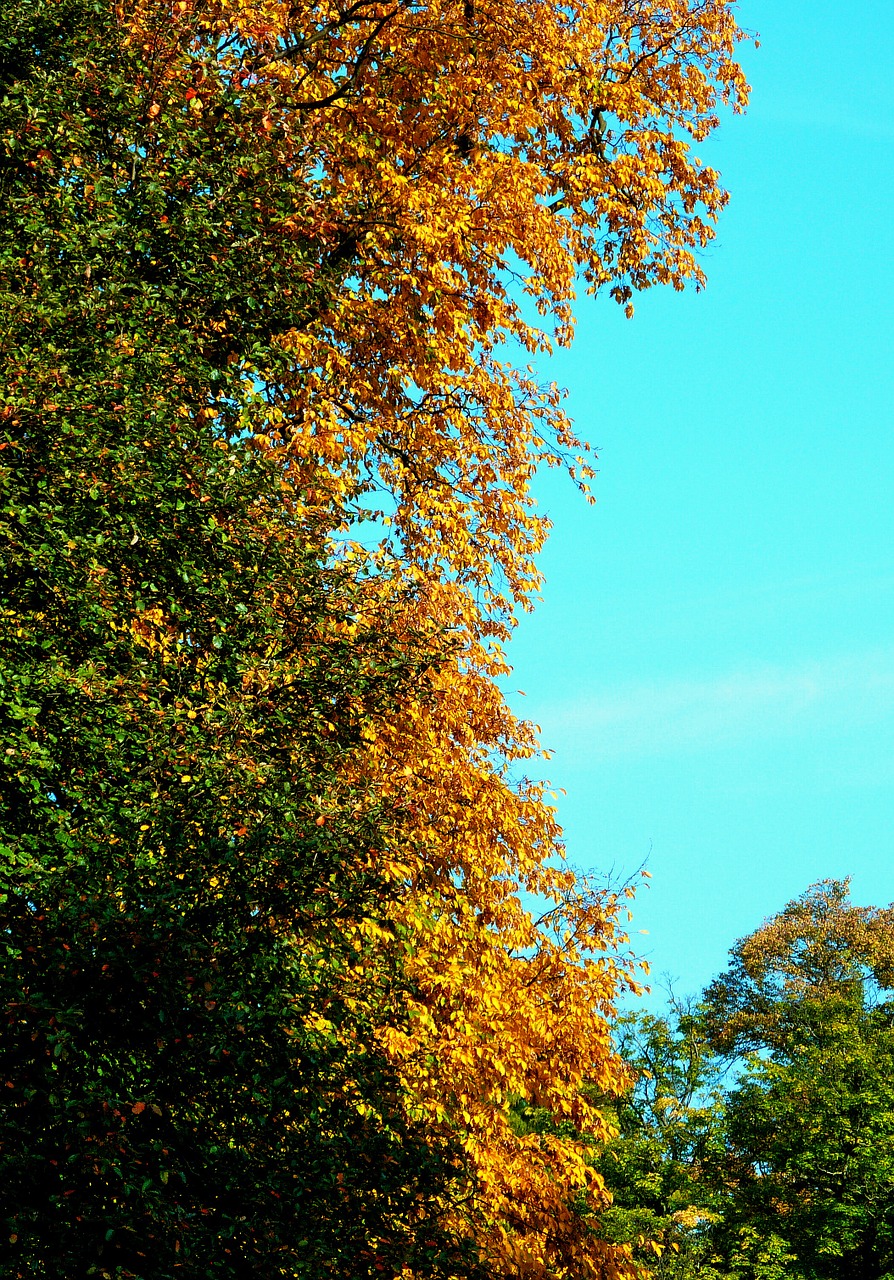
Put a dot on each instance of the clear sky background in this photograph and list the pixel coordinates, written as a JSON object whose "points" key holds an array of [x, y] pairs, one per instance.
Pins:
{"points": [[713, 660]]}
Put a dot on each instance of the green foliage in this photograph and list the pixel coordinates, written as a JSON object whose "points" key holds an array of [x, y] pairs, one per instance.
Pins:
{"points": [[191, 1071], [810, 1124], [759, 1137], [669, 1133]]}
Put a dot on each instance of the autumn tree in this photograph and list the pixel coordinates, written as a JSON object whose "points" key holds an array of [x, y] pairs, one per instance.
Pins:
{"points": [[758, 1136], [315, 233], [479, 161], [809, 1158]]}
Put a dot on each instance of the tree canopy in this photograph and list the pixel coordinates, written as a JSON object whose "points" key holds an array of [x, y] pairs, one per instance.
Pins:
{"points": [[810, 1124], [757, 1143], [275, 990]]}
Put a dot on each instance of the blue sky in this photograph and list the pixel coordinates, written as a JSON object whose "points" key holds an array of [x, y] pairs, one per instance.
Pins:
{"points": [[713, 659]]}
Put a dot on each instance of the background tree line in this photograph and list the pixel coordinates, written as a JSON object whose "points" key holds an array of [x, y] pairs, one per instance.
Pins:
{"points": [[758, 1141]]}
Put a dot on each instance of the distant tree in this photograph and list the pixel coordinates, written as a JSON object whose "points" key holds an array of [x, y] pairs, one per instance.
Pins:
{"points": [[809, 1127], [758, 1139]]}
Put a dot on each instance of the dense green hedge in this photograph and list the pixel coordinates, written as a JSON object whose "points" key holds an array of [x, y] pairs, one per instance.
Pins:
{"points": [[190, 1083]]}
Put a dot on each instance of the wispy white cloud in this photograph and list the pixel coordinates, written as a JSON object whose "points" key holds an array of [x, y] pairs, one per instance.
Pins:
{"points": [[690, 714]]}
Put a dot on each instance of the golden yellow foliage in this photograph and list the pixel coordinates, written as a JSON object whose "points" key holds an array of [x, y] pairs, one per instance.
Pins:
{"points": [[480, 160], [469, 165], [516, 964]]}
